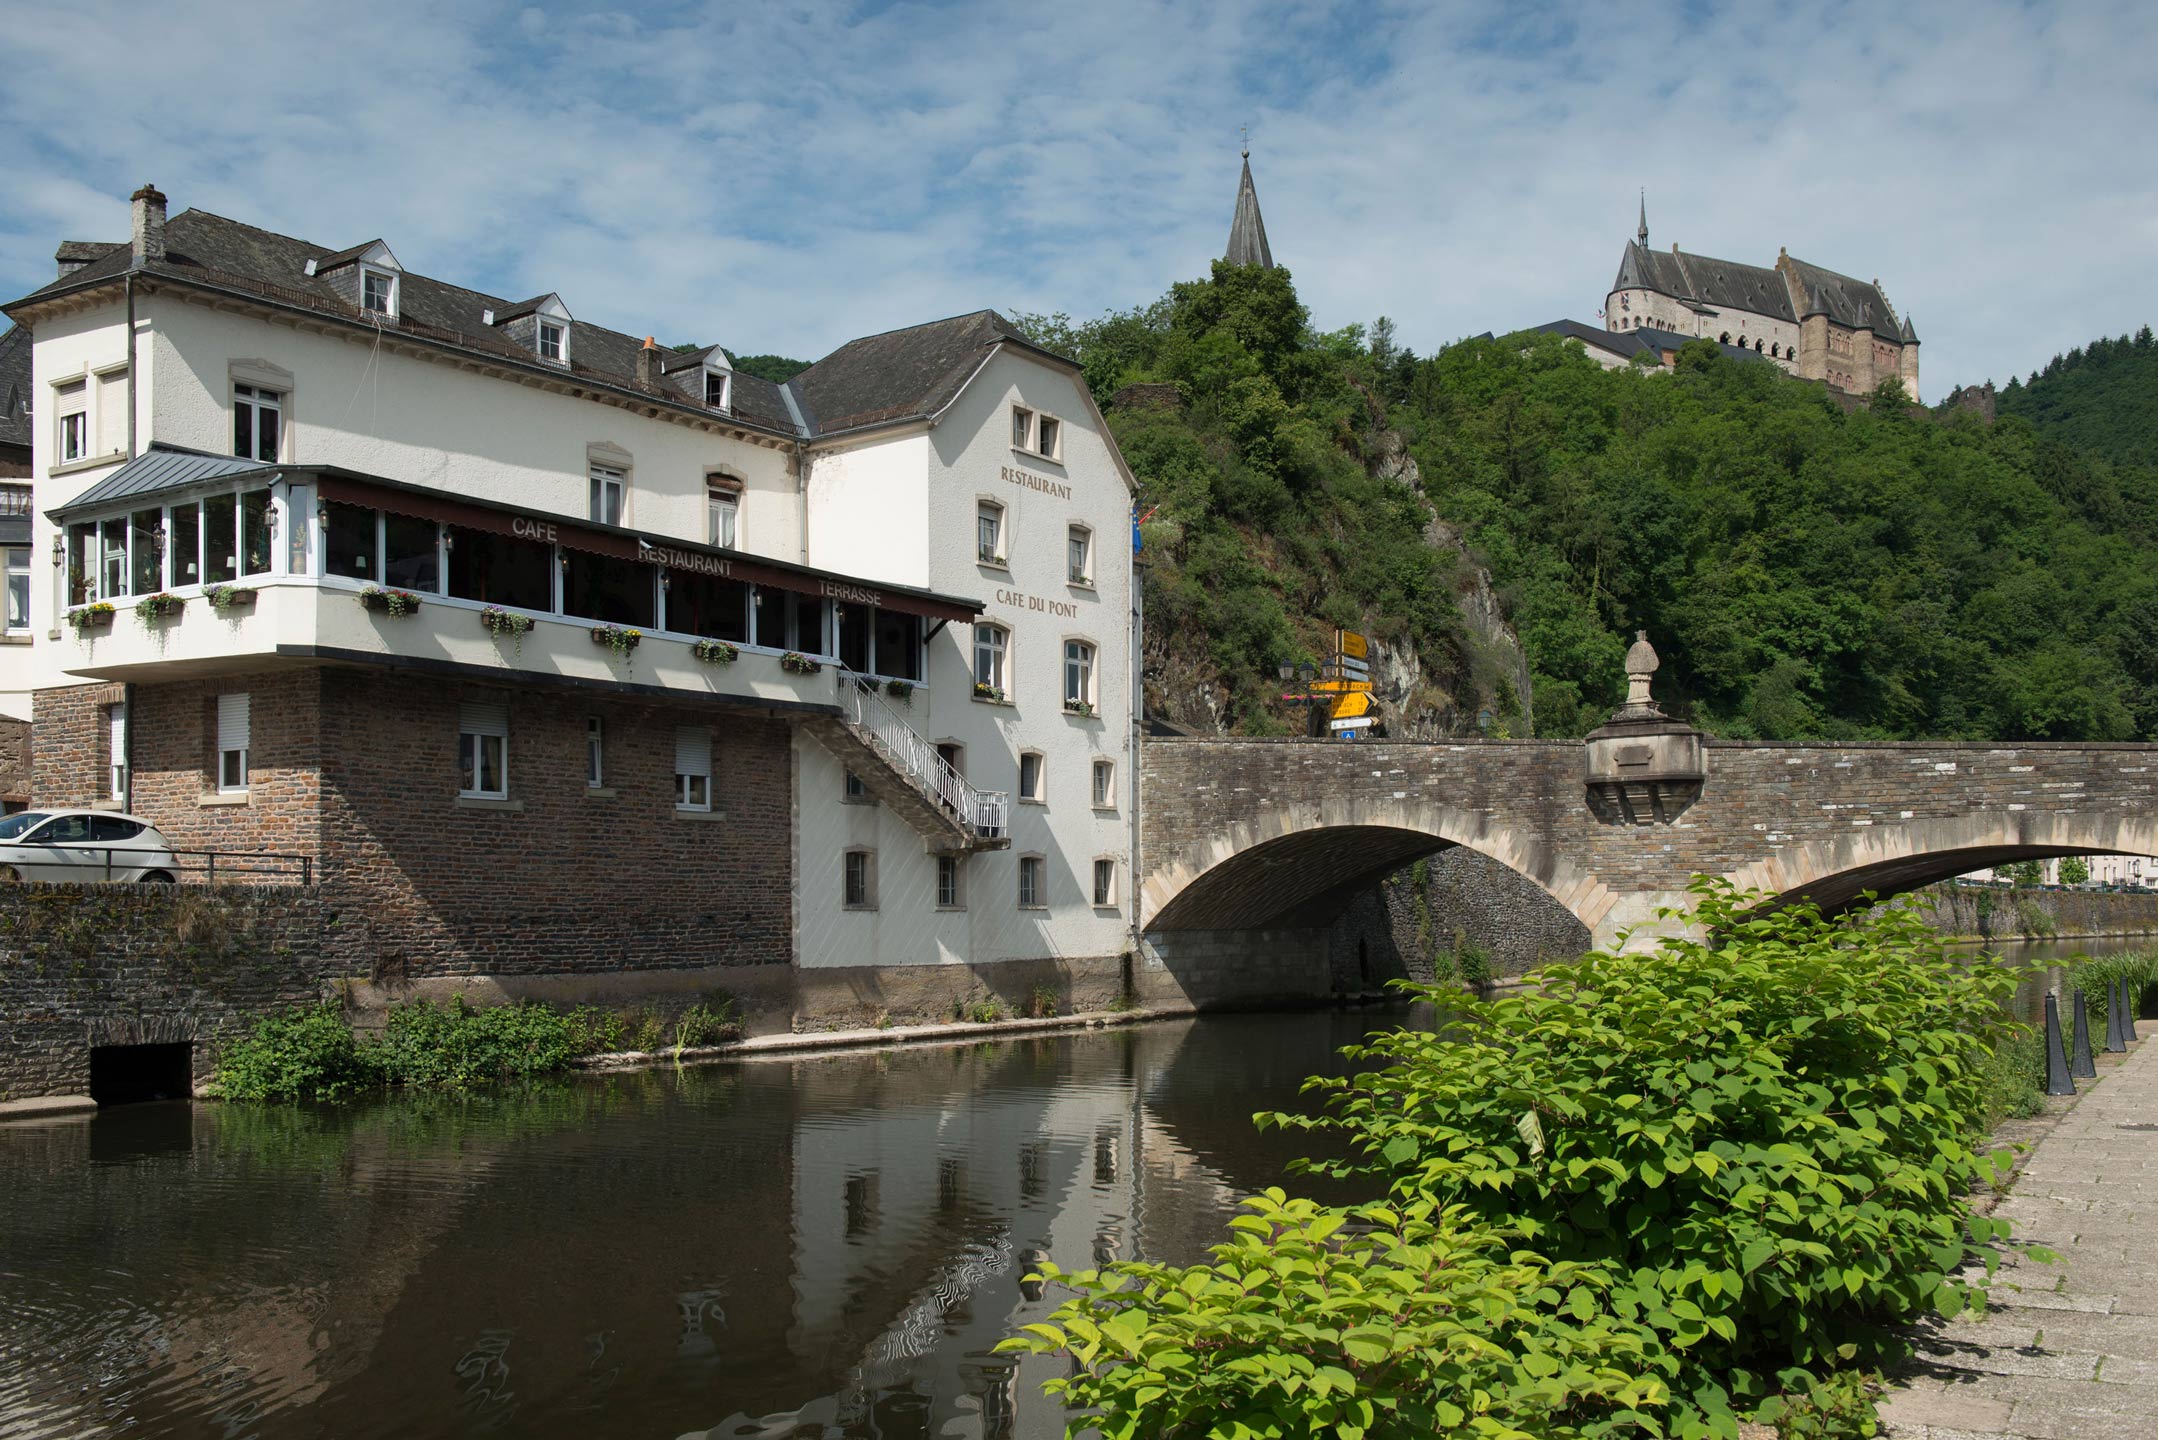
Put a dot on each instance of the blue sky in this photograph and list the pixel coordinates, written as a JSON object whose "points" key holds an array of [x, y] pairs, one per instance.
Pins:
{"points": [[783, 177]]}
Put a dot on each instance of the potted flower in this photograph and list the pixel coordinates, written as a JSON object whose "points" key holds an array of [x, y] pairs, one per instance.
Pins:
{"points": [[94, 616], [900, 690], [618, 638], [985, 691], [500, 622], [229, 597], [715, 652], [389, 602], [796, 663], [1077, 707], [152, 608]]}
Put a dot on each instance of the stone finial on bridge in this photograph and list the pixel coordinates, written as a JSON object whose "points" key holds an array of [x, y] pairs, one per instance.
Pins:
{"points": [[1644, 768]]}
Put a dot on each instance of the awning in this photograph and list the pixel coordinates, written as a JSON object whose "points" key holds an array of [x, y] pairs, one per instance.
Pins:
{"points": [[159, 471]]}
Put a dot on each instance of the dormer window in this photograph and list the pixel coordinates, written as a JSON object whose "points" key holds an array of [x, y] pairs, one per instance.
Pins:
{"points": [[378, 293], [718, 385], [553, 342]]}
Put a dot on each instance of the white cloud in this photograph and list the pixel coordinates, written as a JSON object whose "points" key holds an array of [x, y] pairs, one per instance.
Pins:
{"points": [[784, 177]]}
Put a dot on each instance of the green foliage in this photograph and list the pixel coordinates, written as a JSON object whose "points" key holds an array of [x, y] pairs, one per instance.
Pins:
{"points": [[302, 1055], [2102, 397], [776, 368], [2023, 874], [1377, 1322], [2015, 1076], [985, 1012], [2075, 870], [456, 1047], [1765, 1139], [594, 1031], [2092, 974], [1834, 1407], [707, 1023], [1043, 1003]]}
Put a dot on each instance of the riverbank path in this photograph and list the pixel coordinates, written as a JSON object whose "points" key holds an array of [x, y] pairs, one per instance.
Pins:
{"points": [[2073, 1353]]}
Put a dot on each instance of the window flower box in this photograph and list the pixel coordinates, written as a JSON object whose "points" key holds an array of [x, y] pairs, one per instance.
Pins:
{"points": [[396, 603], [230, 597], [162, 606], [794, 662], [500, 622], [1078, 707], [988, 692], [617, 638], [900, 690], [715, 652], [94, 616]]}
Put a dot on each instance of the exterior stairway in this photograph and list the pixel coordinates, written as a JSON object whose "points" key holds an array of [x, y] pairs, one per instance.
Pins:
{"points": [[903, 771]]}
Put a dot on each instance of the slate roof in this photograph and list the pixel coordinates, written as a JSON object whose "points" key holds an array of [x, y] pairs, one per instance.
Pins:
{"points": [[82, 252], [900, 375], [15, 386], [1647, 339], [1846, 301], [161, 469], [1247, 230]]}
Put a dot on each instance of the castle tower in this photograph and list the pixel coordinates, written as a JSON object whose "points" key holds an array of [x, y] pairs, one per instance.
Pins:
{"points": [[1247, 232], [1642, 233], [1907, 361]]}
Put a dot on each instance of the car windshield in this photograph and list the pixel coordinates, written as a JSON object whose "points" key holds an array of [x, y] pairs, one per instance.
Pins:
{"points": [[13, 826]]}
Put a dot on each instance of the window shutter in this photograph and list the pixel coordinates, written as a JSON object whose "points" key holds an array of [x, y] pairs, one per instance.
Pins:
{"points": [[119, 734], [111, 413], [693, 750], [484, 720], [231, 722]]}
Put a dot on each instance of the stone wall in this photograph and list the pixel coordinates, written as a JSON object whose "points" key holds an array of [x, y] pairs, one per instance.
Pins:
{"points": [[15, 762], [1466, 897], [1232, 968], [85, 965], [1990, 914]]}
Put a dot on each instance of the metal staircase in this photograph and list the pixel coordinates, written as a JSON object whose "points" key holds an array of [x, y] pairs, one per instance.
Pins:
{"points": [[904, 771]]}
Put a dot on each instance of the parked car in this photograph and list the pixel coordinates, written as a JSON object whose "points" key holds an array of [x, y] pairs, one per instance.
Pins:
{"points": [[84, 846]]}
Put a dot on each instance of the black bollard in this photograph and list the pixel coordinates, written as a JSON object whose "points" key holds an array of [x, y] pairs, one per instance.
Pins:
{"points": [[2080, 1063], [2057, 1081], [2131, 996], [2116, 1016]]}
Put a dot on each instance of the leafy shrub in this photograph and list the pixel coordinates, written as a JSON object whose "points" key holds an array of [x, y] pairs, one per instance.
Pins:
{"points": [[594, 1031], [306, 1054], [707, 1024], [2016, 1075], [456, 1047], [2092, 975], [648, 1032], [985, 1012], [1764, 1138], [1375, 1322], [1837, 1407], [1042, 1004]]}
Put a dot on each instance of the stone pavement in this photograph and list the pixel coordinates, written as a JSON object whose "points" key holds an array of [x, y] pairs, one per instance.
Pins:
{"points": [[2073, 1353]]}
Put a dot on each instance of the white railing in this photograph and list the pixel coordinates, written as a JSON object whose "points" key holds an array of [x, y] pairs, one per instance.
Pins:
{"points": [[981, 811]]}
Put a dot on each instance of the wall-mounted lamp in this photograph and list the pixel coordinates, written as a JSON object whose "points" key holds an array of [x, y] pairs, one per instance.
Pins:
{"points": [[59, 551]]}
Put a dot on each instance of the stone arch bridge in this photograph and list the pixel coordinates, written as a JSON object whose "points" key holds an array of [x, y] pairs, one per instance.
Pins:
{"points": [[1241, 837]]}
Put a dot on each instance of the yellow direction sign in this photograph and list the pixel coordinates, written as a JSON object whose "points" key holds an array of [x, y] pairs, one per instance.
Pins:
{"points": [[1340, 687], [1352, 645], [1348, 707]]}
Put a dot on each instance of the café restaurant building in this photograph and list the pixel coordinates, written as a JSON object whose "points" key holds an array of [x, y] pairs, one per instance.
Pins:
{"points": [[568, 658]]}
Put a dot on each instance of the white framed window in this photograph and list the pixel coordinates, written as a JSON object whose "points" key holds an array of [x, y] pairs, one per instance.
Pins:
{"points": [[858, 879], [234, 740], [718, 389], [1022, 428], [378, 292], [116, 757], [483, 744], [111, 429], [553, 341], [989, 533], [1104, 784], [950, 893], [1105, 880], [1033, 883], [1036, 433], [1033, 777], [1078, 675], [258, 422], [18, 589], [71, 403], [608, 488], [723, 515], [595, 752], [992, 644], [693, 768], [1079, 555]]}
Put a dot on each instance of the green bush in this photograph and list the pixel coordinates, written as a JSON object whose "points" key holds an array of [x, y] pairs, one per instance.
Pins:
{"points": [[707, 1023], [594, 1031], [2092, 974], [1372, 1323], [1766, 1139], [456, 1047], [306, 1054]]}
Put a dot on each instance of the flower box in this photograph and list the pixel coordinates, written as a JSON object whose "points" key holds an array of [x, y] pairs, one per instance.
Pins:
{"points": [[95, 616], [988, 692], [499, 621], [229, 597], [900, 690], [715, 652], [389, 602], [162, 606], [796, 663], [617, 638], [1078, 707]]}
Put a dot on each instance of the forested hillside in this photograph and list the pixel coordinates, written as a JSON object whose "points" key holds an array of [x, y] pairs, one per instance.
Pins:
{"points": [[2103, 398], [1804, 570]]}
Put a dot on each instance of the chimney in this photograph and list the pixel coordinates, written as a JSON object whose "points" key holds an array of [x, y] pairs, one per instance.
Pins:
{"points": [[149, 224], [648, 364]]}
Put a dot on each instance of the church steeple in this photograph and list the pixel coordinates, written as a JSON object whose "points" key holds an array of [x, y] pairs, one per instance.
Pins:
{"points": [[1247, 232], [1643, 231]]}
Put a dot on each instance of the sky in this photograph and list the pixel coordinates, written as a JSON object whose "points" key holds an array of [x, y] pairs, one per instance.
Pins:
{"points": [[783, 177]]}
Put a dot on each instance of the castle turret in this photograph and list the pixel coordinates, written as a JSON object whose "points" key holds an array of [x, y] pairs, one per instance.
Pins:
{"points": [[1247, 232], [1642, 233]]}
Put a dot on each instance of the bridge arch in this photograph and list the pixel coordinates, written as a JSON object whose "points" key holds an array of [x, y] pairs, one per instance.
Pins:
{"points": [[1889, 859], [1290, 866]]}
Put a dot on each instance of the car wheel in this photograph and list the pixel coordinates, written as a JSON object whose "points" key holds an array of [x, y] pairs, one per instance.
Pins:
{"points": [[156, 877], [9, 875]]}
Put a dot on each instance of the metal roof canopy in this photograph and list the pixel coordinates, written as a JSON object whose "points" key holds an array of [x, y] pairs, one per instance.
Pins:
{"points": [[161, 470]]}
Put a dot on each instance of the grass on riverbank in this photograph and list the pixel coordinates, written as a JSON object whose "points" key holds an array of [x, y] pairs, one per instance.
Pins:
{"points": [[313, 1053], [2015, 1074]]}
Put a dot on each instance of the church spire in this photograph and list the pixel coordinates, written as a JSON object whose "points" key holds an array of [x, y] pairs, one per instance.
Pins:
{"points": [[1247, 232], [1643, 231]]}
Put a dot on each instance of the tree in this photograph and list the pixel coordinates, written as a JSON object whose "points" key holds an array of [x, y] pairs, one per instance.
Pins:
{"points": [[2023, 874], [2075, 870]]}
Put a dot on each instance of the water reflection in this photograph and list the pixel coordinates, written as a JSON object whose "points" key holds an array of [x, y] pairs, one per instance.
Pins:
{"points": [[827, 1247]]}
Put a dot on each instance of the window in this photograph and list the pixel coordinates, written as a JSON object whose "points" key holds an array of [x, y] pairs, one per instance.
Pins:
{"points": [[858, 880], [500, 569], [722, 509], [1035, 433], [1079, 555], [856, 793], [18, 589], [553, 342], [73, 408], [378, 292], [989, 533], [717, 383], [1033, 882], [607, 485], [595, 753], [899, 645], [348, 540], [990, 645], [112, 538], [411, 553], [233, 740], [1105, 881], [1022, 428], [483, 740], [112, 399], [1050, 433], [693, 768], [949, 895], [603, 588], [1031, 786], [258, 418], [1078, 675], [1104, 784], [116, 757], [146, 537]]}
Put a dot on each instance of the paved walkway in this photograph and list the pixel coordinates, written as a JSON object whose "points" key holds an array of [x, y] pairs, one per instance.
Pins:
{"points": [[2073, 1354]]}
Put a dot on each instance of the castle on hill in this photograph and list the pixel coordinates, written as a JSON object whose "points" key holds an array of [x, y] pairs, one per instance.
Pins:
{"points": [[1815, 323]]}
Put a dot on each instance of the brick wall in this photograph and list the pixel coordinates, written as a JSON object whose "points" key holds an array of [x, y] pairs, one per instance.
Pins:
{"points": [[15, 762], [70, 744]]}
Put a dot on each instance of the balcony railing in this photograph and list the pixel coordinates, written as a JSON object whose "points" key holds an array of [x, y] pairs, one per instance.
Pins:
{"points": [[983, 812]]}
